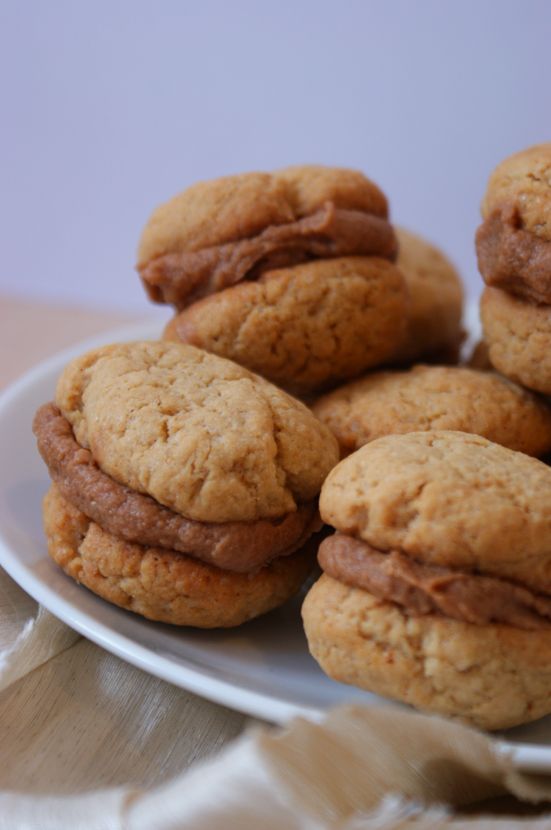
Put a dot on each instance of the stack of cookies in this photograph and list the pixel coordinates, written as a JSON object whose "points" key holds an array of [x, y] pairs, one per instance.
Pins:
{"points": [[185, 487], [472, 400], [291, 274], [436, 588], [514, 256]]}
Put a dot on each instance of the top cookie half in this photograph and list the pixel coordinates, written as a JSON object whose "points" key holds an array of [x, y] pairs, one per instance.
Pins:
{"points": [[219, 232], [199, 434], [447, 498], [514, 241]]}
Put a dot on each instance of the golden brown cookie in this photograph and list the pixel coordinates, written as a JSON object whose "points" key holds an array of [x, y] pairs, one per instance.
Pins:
{"points": [[161, 584], [436, 299], [136, 517], [447, 498], [305, 213], [437, 583], [308, 186], [514, 241], [185, 487], [304, 327], [199, 434], [518, 335], [236, 207], [493, 676], [267, 269], [436, 397], [524, 180]]}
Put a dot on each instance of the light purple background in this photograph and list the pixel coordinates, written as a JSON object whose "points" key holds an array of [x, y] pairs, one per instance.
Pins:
{"points": [[109, 108]]}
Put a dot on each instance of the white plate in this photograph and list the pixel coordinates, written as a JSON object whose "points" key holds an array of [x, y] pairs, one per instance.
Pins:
{"points": [[262, 668]]}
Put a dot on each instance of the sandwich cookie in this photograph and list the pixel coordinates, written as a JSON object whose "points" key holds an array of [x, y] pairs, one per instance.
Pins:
{"points": [[437, 583], [513, 243], [290, 274], [514, 257], [185, 487]]}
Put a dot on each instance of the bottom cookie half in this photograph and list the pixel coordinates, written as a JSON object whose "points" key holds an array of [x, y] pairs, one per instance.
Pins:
{"points": [[518, 334], [164, 585], [304, 327], [491, 676]]}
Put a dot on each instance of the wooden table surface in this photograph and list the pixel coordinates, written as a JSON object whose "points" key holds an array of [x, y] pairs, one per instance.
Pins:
{"points": [[29, 333], [32, 331]]}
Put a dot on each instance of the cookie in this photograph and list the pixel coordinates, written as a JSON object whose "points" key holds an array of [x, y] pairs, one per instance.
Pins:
{"points": [[197, 433], [436, 300], [234, 209], [447, 498], [189, 465], [267, 269], [136, 517], [524, 180], [518, 335], [436, 397], [437, 582], [514, 241], [161, 584], [304, 327], [492, 676]]}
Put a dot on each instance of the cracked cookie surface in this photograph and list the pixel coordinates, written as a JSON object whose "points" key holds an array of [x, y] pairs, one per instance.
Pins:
{"points": [[523, 181], [135, 517], [243, 205], [287, 273], [493, 676], [437, 397], [199, 434], [307, 326], [447, 498]]}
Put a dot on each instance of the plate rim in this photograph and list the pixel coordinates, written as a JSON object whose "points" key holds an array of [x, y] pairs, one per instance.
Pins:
{"points": [[528, 757]]}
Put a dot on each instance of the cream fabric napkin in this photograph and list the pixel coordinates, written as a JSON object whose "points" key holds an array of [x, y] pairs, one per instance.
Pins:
{"points": [[90, 742]]}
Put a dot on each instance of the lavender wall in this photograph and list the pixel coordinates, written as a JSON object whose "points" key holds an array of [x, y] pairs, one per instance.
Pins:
{"points": [[109, 108]]}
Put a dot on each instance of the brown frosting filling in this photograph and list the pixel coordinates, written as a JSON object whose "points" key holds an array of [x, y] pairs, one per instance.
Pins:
{"points": [[235, 546], [428, 589], [184, 277], [512, 258]]}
